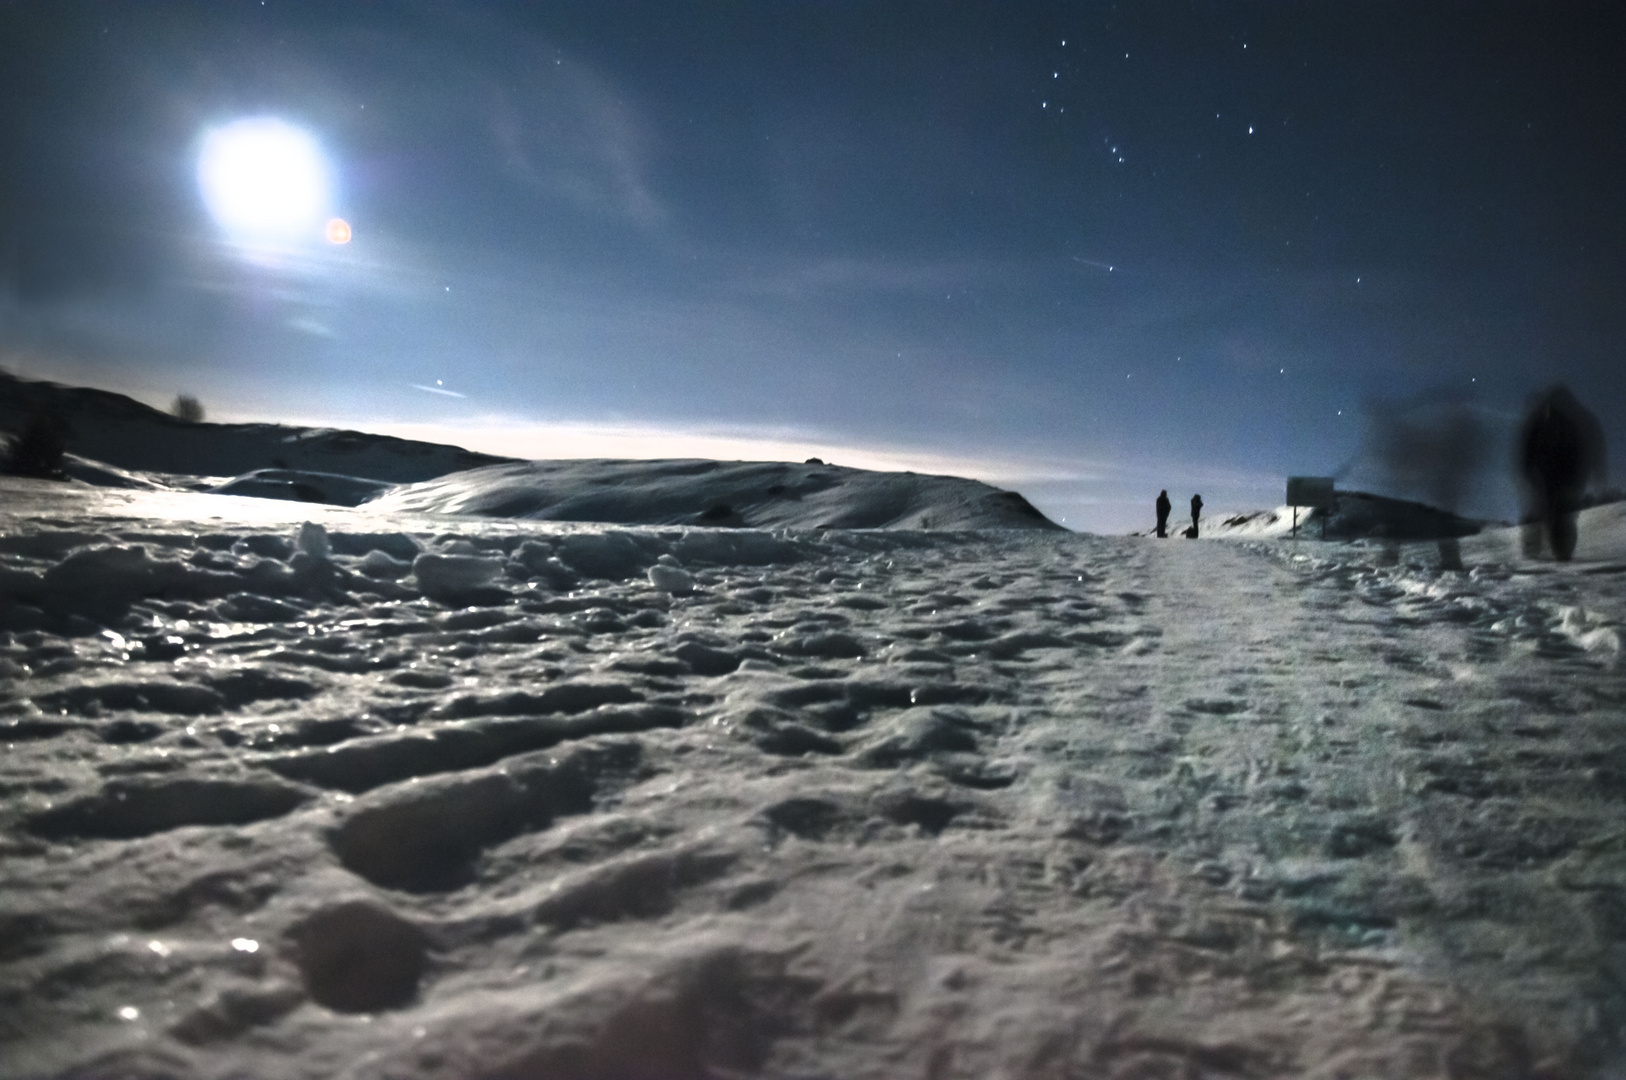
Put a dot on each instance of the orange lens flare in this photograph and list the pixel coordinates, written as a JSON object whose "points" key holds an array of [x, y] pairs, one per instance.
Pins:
{"points": [[338, 231]]}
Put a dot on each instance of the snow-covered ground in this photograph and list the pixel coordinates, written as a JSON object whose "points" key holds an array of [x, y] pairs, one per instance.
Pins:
{"points": [[411, 795]]}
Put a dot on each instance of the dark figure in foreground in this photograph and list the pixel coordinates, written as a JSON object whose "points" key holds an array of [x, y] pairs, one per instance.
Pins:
{"points": [[1163, 508], [1561, 448], [1196, 512]]}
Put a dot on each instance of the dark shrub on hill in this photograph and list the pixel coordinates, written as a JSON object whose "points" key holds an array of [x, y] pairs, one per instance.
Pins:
{"points": [[187, 408], [38, 450]]}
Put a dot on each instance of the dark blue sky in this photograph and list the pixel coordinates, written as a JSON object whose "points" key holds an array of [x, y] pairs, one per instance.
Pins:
{"points": [[880, 232]]}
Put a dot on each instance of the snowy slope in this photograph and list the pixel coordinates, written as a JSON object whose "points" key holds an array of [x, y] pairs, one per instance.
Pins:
{"points": [[117, 442], [1600, 538], [412, 795], [299, 485], [756, 494], [114, 430]]}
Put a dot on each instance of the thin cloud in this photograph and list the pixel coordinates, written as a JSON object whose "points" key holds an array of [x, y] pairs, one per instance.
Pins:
{"points": [[568, 133], [306, 325]]}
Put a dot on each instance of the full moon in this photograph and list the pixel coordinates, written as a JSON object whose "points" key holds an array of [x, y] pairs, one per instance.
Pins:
{"points": [[264, 179]]}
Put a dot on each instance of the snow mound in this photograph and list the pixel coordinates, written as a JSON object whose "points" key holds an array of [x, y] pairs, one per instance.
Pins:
{"points": [[115, 441], [303, 486], [741, 494]]}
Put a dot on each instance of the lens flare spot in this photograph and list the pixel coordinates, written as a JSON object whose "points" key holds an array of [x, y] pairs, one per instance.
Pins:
{"points": [[338, 231]]}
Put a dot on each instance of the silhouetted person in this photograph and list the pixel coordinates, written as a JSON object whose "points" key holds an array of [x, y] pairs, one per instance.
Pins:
{"points": [[1196, 512], [1561, 448], [1163, 508]]}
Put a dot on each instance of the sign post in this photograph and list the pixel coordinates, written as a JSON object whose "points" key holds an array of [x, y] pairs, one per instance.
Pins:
{"points": [[1315, 492]]}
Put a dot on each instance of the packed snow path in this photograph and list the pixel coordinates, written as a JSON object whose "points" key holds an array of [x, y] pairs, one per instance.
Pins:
{"points": [[388, 800]]}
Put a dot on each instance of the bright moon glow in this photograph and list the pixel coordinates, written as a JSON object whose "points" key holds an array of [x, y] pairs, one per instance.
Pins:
{"points": [[338, 231], [263, 179]]}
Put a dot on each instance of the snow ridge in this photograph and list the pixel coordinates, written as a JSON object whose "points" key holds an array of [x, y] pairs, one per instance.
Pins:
{"points": [[771, 494]]}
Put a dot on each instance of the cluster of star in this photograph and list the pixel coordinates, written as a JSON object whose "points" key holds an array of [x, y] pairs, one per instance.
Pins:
{"points": [[1052, 97]]}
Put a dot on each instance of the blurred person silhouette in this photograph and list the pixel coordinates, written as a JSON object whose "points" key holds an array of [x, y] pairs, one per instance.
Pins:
{"points": [[1163, 508], [1561, 448], [1196, 512]]}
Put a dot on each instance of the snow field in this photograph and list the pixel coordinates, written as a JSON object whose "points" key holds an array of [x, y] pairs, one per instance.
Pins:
{"points": [[497, 799]]}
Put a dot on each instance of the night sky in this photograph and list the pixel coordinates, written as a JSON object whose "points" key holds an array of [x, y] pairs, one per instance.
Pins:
{"points": [[1086, 250]]}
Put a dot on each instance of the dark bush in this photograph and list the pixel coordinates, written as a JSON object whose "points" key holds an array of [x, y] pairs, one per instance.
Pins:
{"points": [[38, 450], [187, 408]]}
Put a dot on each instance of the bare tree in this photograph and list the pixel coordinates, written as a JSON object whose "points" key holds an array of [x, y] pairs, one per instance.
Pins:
{"points": [[37, 451], [188, 408]]}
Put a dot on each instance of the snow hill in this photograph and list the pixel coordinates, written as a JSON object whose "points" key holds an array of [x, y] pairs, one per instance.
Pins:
{"points": [[124, 439], [303, 791], [753, 494], [118, 442]]}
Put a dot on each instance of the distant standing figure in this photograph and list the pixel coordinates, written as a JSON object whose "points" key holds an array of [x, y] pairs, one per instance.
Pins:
{"points": [[1561, 448], [1163, 508], [1196, 512]]}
